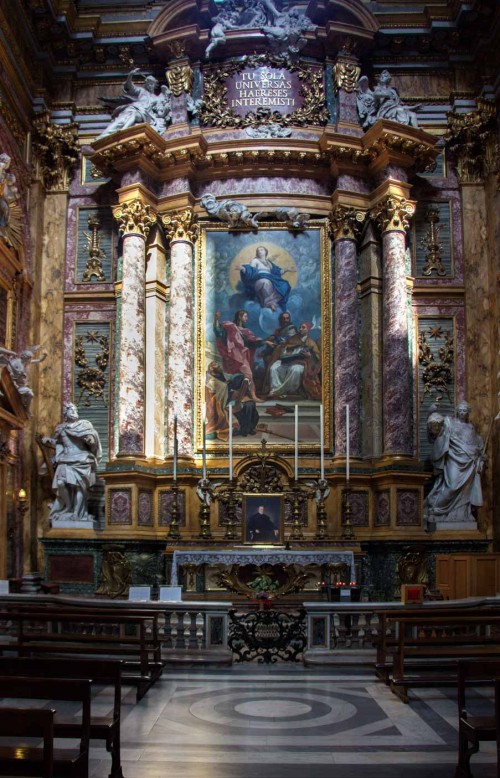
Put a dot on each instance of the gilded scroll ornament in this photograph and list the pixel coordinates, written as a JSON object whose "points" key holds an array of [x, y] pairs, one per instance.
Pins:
{"points": [[56, 152], [91, 381], [215, 111], [346, 75], [346, 222], [432, 244], [114, 576], [134, 217], [393, 213], [93, 248], [180, 79], [438, 364], [181, 225], [472, 138]]}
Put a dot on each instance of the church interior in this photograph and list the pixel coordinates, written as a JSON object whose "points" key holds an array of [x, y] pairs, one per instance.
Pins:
{"points": [[249, 373]]}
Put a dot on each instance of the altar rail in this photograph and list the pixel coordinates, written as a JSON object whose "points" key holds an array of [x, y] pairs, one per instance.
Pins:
{"points": [[202, 627]]}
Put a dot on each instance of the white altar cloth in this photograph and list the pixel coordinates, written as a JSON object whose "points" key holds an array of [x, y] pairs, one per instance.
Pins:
{"points": [[259, 556]]}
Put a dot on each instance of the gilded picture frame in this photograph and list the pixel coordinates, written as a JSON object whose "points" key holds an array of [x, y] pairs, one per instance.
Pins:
{"points": [[263, 519], [278, 353]]}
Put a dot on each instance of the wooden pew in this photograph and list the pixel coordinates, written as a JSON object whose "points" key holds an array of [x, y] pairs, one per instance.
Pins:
{"points": [[435, 644], [27, 760], [89, 632], [107, 672], [67, 762], [497, 719], [474, 728]]}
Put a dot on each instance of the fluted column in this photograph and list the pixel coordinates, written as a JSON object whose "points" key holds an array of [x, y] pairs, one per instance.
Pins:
{"points": [[392, 215], [345, 226], [182, 232], [134, 220]]}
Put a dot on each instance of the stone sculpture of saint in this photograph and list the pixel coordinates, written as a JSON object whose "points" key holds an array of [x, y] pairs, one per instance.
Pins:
{"points": [[383, 102], [458, 460], [138, 104], [78, 452]]}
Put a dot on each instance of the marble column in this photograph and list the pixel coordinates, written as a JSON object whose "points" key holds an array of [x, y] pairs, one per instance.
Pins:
{"points": [[135, 220], [392, 215], [156, 299], [345, 224], [182, 232]]}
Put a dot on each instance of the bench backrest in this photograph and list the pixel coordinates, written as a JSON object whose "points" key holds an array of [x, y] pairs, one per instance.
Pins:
{"points": [[31, 722], [472, 672]]}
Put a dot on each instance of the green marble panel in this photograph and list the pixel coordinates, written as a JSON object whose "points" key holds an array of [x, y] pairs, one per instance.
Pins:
{"points": [[92, 340], [420, 237], [107, 240]]}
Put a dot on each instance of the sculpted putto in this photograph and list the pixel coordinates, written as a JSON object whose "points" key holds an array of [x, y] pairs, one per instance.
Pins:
{"points": [[236, 214], [383, 102], [138, 104], [18, 366]]}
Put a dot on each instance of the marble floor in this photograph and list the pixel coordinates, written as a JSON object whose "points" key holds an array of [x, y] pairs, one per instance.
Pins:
{"points": [[286, 721]]}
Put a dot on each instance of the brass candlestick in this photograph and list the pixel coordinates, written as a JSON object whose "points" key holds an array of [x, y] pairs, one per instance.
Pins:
{"points": [[347, 531], [204, 492], [321, 524], [173, 531], [298, 498], [231, 502]]}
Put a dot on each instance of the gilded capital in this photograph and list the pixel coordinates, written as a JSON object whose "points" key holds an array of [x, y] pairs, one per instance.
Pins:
{"points": [[134, 217], [472, 139], [393, 213], [346, 222], [181, 225], [56, 152], [346, 76]]}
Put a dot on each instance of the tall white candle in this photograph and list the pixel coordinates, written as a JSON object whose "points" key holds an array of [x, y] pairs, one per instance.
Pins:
{"points": [[321, 443], [347, 442], [230, 442], [296, 469], [204, 423], [175, 448]]}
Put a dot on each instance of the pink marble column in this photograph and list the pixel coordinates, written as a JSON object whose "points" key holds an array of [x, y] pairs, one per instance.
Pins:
{"points": [[182, 233], [393, 216], [345, 224], [134, 219]]}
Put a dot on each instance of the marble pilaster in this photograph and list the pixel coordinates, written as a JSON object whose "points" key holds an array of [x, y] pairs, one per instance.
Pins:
{"points": [[155, 349], [346, 72], [182, 233], [345, 223], [393, 215], [135, 220]]}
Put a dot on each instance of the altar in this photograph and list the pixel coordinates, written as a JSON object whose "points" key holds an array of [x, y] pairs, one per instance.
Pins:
{"points": [[288, 571]]}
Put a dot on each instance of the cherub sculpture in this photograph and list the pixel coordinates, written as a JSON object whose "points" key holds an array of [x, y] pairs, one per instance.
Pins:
{"points": [[18, 366]]}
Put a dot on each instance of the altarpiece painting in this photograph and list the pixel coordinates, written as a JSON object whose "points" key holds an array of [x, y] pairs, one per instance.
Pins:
{"points": [[264, 335]]}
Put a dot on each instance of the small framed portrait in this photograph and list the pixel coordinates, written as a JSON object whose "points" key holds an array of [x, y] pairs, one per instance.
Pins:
{"points": [[263, 519]]}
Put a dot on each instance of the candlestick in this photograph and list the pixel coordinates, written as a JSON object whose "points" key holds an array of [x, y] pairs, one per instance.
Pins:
{"points": [[347, 441], [296, 469], [204, 423], [175, 448], [230, 442], [321, 443]]}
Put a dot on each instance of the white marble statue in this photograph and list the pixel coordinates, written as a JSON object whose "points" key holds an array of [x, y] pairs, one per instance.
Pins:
{"points": [[138, 104], [383, 102], [18, 366], [458, 459], [78, 452]]}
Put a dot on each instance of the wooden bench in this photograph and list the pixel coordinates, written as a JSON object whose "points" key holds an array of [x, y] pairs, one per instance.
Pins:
{"points": [[435, 644], [22, 723], [474, 727], [67, 762], [107, 672], [92, 632]]}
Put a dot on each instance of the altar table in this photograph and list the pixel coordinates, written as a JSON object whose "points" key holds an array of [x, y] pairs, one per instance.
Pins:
{"points": [[259, 556]]}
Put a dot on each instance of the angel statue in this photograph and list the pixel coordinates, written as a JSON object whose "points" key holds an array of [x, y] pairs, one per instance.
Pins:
{"points": [[18, 366], [138, 104], [383, 102]]}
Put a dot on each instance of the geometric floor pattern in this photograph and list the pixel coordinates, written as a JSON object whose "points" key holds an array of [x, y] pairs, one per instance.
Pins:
{"points": [[286, 721]]}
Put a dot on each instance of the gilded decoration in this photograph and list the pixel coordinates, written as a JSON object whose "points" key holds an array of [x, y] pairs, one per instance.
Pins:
{"points": [[134, 218], [11, 215], [181, 225], [393, 213], [438, 364], [432, 245], [215, 111], [346, 75], [252, 580], [96, 254], [274, 289], [346, 222], [423, 154], [472, 139], [56, 151], [91, 381], [115, 573], [180, 79]]}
